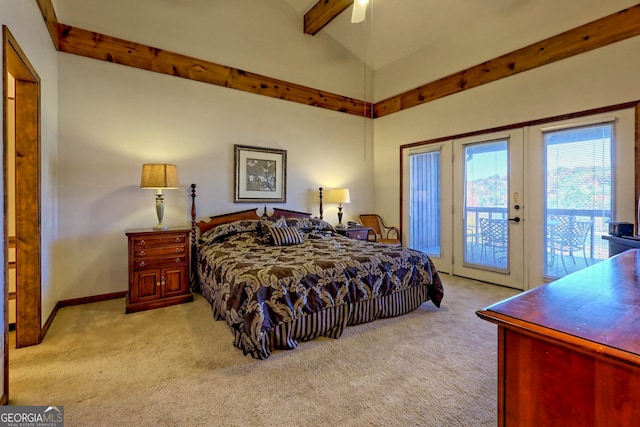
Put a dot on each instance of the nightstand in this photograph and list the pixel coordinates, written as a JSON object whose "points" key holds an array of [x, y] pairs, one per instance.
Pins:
{"points": [[158, 268], [358, 233]]}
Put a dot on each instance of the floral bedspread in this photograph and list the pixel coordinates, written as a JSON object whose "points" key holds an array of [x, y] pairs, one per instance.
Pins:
{"points": [[255, 285]]}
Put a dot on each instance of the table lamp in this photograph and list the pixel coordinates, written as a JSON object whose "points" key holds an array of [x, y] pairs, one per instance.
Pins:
{"points": [[339, 196], [159, 176]]}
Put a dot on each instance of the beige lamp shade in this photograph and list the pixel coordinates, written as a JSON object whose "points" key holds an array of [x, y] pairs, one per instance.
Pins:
{"points": [[159, 175], [340, 195]]}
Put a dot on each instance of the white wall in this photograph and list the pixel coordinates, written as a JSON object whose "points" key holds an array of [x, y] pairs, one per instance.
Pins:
{"points": [[24, 20], [115, 118], [599, 78]]}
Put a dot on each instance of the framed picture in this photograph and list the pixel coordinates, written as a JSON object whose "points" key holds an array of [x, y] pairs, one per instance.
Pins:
{"points": [[261, 174]]}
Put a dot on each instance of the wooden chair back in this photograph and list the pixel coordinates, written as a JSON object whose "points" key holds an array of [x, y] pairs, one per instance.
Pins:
{"points": [[384, 233]]}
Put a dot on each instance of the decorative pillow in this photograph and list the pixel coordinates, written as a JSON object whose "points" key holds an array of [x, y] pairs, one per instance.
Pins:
{"points": [[285, 236], [221, 231], [264, 225]]}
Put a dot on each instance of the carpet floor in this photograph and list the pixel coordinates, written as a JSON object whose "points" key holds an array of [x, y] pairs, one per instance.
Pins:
{"points": [[176, 366]]}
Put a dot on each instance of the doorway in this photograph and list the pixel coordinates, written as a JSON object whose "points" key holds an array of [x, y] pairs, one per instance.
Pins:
{"points": [[488, 220], [27, 197]]}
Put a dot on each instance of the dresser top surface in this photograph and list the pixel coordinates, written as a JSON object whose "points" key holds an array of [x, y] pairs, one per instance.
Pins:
{"points": [[139, 231], [600, 303]]}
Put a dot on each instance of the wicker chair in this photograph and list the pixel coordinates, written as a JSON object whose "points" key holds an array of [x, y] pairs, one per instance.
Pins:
{"points": [[383, 233]]}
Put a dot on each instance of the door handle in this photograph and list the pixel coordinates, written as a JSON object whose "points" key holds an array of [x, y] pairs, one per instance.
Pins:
{"points": [[516, 219]]}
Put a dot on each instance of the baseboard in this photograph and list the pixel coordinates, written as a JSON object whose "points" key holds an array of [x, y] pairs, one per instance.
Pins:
{"points": [[95, 298], [49, 321], [77, 301]]}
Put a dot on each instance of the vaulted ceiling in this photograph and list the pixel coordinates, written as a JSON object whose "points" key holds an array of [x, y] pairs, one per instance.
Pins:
{"points": [[455, 44], [462, 33]]}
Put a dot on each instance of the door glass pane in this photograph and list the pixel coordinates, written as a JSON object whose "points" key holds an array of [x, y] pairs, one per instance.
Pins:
{"points": [[424, 202], [485, 206], [578, 197]]}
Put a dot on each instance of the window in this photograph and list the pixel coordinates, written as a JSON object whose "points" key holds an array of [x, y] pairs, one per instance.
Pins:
{"points": [[578, 196], [424, 202]]}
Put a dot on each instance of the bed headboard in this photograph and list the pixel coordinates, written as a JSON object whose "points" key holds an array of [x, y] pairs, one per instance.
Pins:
{"points": [[279, 213], [225, 218], [213, 221]]}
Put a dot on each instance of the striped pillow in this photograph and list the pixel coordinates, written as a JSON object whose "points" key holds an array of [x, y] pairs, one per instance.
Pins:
{"points": [[285, 236]]}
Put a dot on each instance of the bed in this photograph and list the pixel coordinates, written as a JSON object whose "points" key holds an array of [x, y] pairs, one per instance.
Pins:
{"points": [[284, 278]]}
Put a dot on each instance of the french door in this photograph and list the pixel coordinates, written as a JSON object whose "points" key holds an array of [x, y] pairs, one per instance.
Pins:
{"points": [[488, 213], [525, 206]]}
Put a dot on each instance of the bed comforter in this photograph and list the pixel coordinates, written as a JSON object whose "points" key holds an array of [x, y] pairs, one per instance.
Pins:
{"points": [[272, 297]]}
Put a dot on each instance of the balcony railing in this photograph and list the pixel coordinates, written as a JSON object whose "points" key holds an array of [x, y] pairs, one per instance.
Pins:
{"points": [[428, 239]]}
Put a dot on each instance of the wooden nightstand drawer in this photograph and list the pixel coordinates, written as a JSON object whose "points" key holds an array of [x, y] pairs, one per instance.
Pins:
{"points": [[358, 233], [158, 269], [147, 241], [159, 262], [165, 252]]}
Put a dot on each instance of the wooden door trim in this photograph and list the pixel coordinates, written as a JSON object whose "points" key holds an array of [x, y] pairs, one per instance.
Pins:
{"points": [[28, 242]]}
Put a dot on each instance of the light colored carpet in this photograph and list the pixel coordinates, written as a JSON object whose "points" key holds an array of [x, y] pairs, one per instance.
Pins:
{"points": [[176, 366]]}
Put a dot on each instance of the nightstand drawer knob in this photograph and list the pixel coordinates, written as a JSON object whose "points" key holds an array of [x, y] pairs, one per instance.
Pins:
{"points": [[142, 242], [177, 240], [142, 264], [142, 253], [177, 250], [177, 259]]}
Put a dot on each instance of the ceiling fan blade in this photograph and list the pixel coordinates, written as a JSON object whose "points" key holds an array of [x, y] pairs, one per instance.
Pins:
{"points": [[359, 11]]}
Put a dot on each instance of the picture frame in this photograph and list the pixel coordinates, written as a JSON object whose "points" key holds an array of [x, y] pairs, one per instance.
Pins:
{"points": [[260, 174]]}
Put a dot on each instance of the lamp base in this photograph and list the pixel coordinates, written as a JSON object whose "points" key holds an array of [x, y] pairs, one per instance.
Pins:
{"points": [[160, 211]]}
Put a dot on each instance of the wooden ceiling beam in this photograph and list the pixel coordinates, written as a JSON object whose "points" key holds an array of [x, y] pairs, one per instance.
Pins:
{"points": [[106, 48], [50, 19], [602, 32], [322, 13]]}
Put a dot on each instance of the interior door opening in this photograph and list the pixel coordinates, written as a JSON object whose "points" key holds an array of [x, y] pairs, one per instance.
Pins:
{"points": [[27, 201]]}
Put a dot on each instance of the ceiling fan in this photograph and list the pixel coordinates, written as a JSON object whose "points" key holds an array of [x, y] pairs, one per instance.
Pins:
{"points": [[359, 11]]}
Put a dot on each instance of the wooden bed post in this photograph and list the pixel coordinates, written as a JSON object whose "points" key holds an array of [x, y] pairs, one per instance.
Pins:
{"points": [[193, 276], [320, 189]]}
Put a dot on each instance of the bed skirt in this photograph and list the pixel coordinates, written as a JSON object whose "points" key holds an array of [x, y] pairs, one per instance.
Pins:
{"points": [[329, 322]]}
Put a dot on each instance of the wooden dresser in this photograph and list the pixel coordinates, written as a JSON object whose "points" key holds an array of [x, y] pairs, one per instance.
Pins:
{"points": [[158, 268], [569, 351]]}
